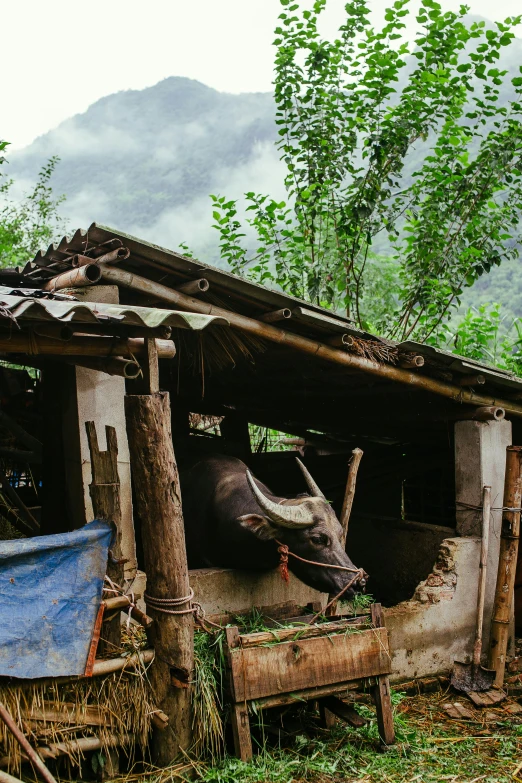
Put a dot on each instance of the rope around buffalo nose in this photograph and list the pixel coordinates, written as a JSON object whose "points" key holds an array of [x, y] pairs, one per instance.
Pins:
{"points": [[359, 575]]}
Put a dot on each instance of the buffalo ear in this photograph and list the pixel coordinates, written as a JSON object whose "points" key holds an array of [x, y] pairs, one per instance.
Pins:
{"points": [[258, 525]]}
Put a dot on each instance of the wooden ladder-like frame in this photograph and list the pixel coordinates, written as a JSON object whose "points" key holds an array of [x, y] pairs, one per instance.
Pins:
{"points": [[308, 664]]}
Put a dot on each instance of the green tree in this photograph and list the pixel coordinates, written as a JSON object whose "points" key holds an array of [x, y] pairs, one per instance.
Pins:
{"points": [[32, 222], [447, 213]]}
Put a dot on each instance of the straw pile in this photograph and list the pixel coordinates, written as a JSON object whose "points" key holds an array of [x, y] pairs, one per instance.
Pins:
{"points": [[118, 705]]}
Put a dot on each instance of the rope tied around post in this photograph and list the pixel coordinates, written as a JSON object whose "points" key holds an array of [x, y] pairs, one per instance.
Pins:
{"points": [[283, 562]]}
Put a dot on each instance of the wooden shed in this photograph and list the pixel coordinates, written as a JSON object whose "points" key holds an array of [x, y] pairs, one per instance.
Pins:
{"points": [[273, 376]]}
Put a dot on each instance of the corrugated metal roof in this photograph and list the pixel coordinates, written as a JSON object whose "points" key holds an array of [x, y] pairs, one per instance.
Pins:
{"points": [[239, 295], [55, 259], [30, 308]]}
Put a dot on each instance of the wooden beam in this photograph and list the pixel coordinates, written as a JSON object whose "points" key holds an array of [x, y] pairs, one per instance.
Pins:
{"points": [[381, 691], [507, 563], [158, 504], [306, 345], [148, 380], [81, 345]]}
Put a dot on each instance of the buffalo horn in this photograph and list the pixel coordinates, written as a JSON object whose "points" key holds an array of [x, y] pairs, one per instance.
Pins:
{"points": [[312, 486], [282, 516]]}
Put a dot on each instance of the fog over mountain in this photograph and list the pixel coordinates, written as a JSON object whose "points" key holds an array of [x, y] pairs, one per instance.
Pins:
{"points": [[145, 161]]}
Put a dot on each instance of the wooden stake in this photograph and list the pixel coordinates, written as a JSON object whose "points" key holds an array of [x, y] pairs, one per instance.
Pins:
{"points": [[346, 511], [507, 563], [158, 506], [350, 491], [81, 345], [105, 495]]}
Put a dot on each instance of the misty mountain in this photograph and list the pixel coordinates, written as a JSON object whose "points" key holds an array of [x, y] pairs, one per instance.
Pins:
{"points": [[146, 161]]}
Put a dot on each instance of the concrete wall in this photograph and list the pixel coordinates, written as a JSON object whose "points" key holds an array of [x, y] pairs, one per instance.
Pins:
{"points": [[437, 626], [396, 554], [226, 591], [98, 397]]}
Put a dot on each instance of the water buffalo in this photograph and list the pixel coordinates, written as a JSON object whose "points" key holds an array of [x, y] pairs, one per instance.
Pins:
{"points": [[232, 519]]}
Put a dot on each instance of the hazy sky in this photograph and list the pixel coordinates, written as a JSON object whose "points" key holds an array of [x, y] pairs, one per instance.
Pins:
{"points": [[58, 56]]}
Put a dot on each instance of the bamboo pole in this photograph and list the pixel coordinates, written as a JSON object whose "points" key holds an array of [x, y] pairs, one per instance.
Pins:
{"points": [[507, 563], [157, 502], [111, 365], [6, 778], [194, 286], [111, 665], [74, 278], [346, 511], [304, 344], [81, 345]]}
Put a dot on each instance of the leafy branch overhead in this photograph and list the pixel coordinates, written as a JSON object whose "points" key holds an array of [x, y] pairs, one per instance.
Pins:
{"points": [[31, 222], [354, 114]]}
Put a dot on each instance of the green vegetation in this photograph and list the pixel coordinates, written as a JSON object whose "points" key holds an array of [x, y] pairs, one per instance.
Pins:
{"points": [[346, 130], [30, 223], [429, 749]]}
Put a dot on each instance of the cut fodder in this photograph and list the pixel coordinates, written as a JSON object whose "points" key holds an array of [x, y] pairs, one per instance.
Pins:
{"points": [[208, 702], [116, 709]]}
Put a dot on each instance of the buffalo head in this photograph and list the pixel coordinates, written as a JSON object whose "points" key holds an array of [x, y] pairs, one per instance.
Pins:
{"points": [[308, 526]]}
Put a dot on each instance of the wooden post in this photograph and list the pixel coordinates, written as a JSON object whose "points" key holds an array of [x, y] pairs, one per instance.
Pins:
{"points": [[350, 491], [158, 505], [507, 563], [381, 692], [346, 511], [105, 495]]}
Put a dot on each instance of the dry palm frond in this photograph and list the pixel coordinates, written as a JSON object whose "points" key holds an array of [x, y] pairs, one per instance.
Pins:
{"points": [[375, 350]]}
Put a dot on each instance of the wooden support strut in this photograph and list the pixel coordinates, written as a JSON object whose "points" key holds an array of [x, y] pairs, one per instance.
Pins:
{"points": [[346, 511], [381, 691], [305, 344], [81, 345], [158, 506], [507, 563], [105, 495]]}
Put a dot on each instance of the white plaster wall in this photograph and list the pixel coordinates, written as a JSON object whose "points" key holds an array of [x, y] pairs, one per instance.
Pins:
{"points": [[480, 460], [437, 626], [226, 591]]}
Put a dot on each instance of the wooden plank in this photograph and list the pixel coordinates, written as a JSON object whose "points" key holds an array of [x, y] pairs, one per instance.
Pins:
{"points": [[487, 698], [106, 504], [258, 672], [305, 695], [346, 712], [89, 715], [148, 383], [241, 732], [300, 632]]}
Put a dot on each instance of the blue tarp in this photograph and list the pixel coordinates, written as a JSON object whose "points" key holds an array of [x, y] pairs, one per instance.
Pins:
{"points": [[50, 593]]}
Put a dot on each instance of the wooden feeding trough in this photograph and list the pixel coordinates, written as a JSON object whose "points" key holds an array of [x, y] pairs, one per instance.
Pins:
{"points": [[282, 666]]}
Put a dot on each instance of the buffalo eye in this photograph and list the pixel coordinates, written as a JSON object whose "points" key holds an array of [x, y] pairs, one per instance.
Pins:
{"points": [[320, 539]]}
